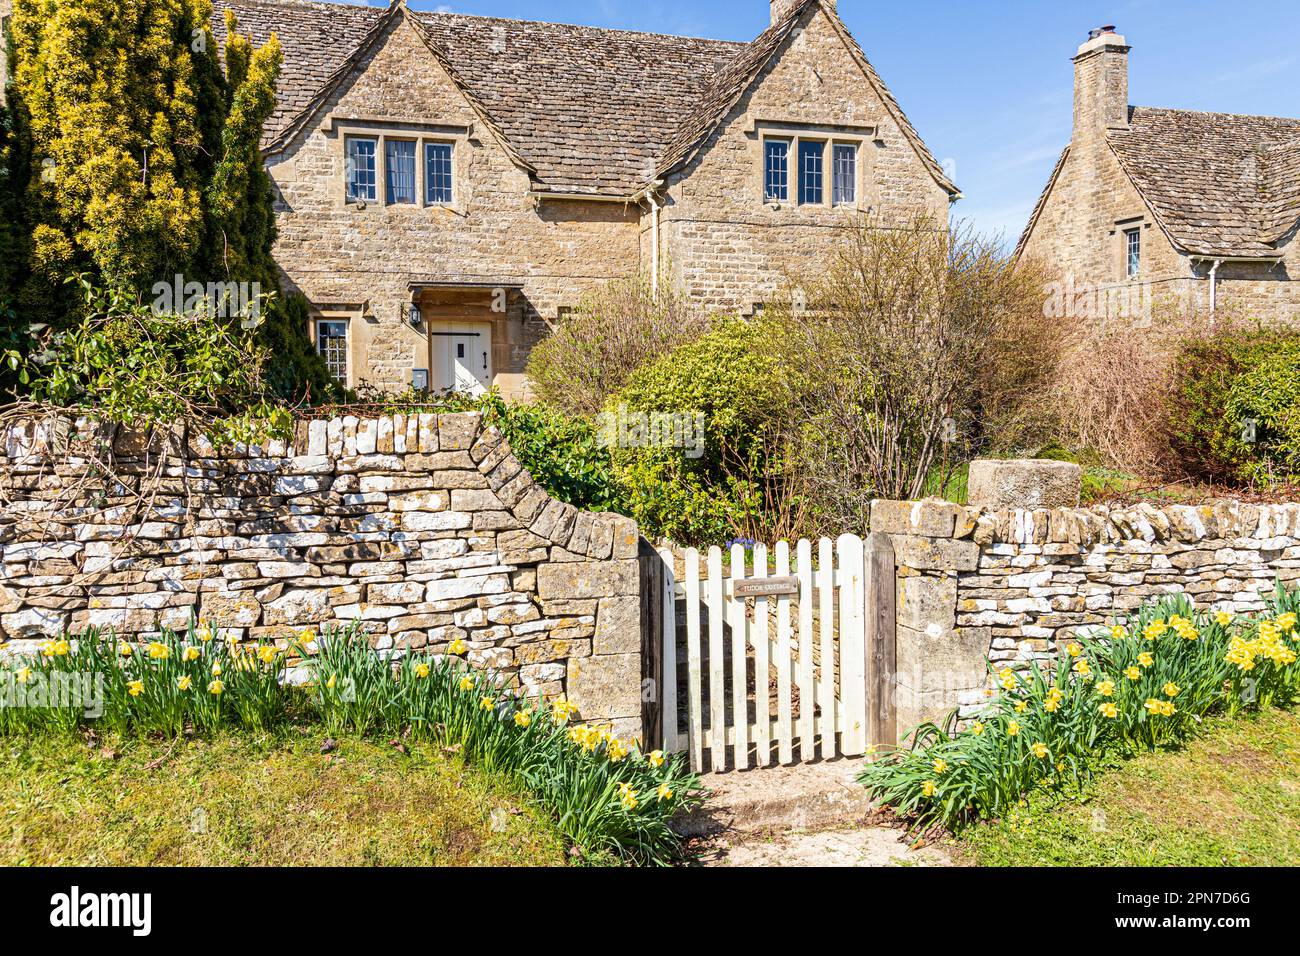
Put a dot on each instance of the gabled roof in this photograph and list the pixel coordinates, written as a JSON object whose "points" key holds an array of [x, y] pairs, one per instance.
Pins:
{"points": [[585, 110], [1042, 202], [1221, 184]]}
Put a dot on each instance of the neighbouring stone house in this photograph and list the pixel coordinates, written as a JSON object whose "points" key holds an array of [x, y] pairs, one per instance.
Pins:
{"points": [[449, 186], [1153, 204]]}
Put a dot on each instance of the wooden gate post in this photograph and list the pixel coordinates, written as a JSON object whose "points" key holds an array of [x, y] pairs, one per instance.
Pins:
{"points": [[882, 590]]}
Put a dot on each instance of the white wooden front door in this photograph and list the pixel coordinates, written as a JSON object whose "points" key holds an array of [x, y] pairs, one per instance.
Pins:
{"points": [[463, 357]]}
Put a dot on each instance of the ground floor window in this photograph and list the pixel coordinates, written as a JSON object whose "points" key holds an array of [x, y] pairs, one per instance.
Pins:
{"points": [[332, 344]]}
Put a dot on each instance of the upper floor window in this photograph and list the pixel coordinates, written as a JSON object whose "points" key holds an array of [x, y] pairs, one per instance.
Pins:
{"points": [[332, 344], [399, 160], [361, 172], [844, 185], [776, 170], [437, 173], [1132, 252], [812, 157]]}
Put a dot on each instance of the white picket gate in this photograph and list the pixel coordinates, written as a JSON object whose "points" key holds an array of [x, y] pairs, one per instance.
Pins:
{"points": [[823, 629]]}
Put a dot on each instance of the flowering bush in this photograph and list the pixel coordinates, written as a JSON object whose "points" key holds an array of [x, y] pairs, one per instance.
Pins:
{"points": [[1139, 685], [606, 795]]}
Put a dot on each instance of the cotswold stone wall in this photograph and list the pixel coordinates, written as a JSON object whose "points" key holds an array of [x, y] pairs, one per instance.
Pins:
{"points": [[425, 528], [1012, 586]]}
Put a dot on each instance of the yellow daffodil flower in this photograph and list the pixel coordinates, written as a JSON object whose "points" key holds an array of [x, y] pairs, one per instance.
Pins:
{"points": [[1108, 710], [467, 683], [655, 758], [1118, 632], [940, 766], [191, 654], [1022, 706], [184, 683], [927, 788], [1153, 707], [664, 792], [1082, 667], [125, 649], [1172, 689], [1106, 688], [457, 647], [523, 718], [135, 688], [1145, 659], [1132, 673], [1074, 650], [1013, 729], [977, 728], [215, 688], [1040, 750], [23, 675], [487, 703], [421, 670]]}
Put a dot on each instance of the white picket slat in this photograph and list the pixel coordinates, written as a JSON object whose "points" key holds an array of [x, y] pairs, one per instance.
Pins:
{"points": [[826, 683], [694, 685], [739, 661], [762, 664], [671, 708], [853, 645], [784, 701], [717, 688], [807, 703]]}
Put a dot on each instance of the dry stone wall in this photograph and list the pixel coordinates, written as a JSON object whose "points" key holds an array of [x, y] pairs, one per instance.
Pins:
{"points": [[1012, 586], [424, 528]]}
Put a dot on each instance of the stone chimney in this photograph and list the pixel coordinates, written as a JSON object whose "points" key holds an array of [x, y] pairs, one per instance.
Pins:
{"points": [[781, 7], [1100, 85]]}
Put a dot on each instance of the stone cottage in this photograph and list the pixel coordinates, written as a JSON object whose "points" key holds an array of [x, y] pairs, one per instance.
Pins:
{"points": [[449, 186], [1153, 204]]}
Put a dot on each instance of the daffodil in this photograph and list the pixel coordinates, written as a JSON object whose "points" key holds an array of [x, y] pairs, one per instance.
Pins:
{"points": [[191, 654], [125, 649], [1106, 688], [1007, 679], [927, 788], [523, 718], [457, 647], [1132, 673], [1074, 650], [215, 688], [1155, 629], [184, 683], [135, 688], [1118, 632], [664, 792], [159, 651], [1108, 709], [655, 758], [940, 766], [1022, 706], [1013, 729], [977, 728], [467, 683], [1082, 667], [23, 675], [1153, 707], [487, 703], [332, 682], [1040, 750], [1172, 689], [421, 670], [1222, 618], [1145, 659], [615, 749], [216, 669], [267, 654]]}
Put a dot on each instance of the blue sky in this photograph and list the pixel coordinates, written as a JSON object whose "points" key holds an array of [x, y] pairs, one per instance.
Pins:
{"points": [[989, 84]]}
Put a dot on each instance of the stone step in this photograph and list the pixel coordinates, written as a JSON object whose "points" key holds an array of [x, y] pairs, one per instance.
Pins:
{"points": [[800, 797]]}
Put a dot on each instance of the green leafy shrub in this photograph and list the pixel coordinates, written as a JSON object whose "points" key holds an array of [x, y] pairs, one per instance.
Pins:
{"points": [[731, 379], [1143, 684], [1234, 411], [129, 365], [614, 331], [563, 453]]}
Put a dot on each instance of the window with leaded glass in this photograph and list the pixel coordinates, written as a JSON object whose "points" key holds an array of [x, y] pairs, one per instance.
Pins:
{"points": [[776, 170], [332, 344], [400, 162], [844, 185], [361, 173], [437, 173], [812, 156]]}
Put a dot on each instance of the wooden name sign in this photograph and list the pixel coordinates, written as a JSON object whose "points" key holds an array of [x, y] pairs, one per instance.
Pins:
{"points": [[766, 587]]}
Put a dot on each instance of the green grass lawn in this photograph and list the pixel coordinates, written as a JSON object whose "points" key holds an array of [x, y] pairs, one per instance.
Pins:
{"points": [[1229, 798], [240, 800]]}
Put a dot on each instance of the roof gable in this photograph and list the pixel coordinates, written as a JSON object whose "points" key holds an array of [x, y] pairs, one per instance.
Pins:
{"points": [[585, 110]]}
